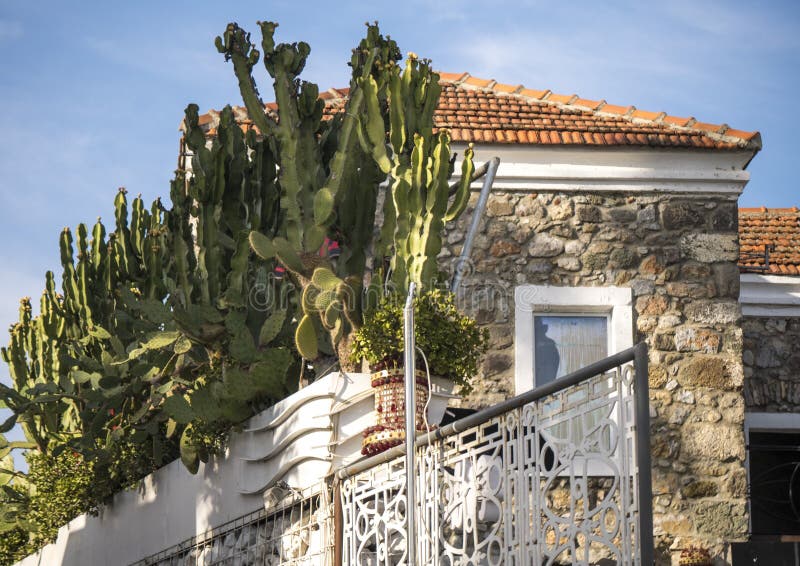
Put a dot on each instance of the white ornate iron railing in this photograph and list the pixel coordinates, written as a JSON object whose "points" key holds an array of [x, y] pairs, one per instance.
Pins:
{"points": [[294, 529], [558, 475]]}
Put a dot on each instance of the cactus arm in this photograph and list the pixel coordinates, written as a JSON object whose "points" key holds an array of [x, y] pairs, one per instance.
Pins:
{"points": [[298, 158], [374, 126], [436, 206], [461, 198], [235, 45]]}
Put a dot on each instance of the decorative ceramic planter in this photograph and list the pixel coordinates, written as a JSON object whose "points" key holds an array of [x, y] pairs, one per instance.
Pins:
{"points": [[389, 429]]}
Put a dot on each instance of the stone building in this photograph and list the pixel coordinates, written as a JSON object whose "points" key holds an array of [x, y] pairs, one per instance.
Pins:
{"points": [[624, 221], [770, 299], [620, 226]]}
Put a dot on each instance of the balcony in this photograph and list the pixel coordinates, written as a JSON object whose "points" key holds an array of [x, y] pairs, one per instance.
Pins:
{"points": [[558, 475]]}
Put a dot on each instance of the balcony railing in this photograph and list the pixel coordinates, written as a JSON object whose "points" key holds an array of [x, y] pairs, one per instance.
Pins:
{"points": [[295, 528], [558, 475]]}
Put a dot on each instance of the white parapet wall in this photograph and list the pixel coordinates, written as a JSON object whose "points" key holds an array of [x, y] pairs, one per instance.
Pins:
{"points": [[300, 441]]}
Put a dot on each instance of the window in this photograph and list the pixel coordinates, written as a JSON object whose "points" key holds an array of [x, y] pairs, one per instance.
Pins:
{"points": [[773, 462], [559, 330], [562, 329]]}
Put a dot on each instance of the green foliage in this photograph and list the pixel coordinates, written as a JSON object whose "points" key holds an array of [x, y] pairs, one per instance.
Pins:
{"points": [[452, 342], [57, 489], [13, 546], [148, 345], [66, 486]]}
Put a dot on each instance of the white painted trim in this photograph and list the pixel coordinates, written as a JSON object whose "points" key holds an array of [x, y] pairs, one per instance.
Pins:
{"points": [[537, 168], [769, 295], [537, 299], [765, 422]]}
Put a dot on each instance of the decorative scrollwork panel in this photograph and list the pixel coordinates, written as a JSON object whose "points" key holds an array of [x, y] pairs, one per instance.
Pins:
{"points": [[550, 482]]}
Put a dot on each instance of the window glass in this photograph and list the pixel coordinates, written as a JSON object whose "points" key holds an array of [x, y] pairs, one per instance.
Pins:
{"points": [[564, 344], [775, 483]]}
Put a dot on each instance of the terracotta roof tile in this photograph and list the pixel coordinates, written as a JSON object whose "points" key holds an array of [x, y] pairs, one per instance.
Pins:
{"points": [[615, 109], [482, 110], [776, 228], [644, 115]]}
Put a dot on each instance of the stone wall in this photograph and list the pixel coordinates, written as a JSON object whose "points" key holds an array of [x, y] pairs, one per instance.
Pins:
{"points": [[678, 254], [771, 357]]}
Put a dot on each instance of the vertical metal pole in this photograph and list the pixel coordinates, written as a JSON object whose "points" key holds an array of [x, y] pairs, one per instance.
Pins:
{"points": [[641, 392], [476, 220], [411, 426]]}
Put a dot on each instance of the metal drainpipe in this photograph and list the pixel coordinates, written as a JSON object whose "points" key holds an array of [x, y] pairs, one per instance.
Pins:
{"points": [[476, 219], [411, 425]]}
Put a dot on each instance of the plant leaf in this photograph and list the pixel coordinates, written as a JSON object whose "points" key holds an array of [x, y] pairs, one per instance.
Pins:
{"points": [[161, 340], [189, 453], [178, 409], [305, 338], [271, 327]]}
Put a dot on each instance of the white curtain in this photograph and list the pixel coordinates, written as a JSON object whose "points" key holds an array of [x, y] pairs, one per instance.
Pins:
{"points": [[565, 344]]}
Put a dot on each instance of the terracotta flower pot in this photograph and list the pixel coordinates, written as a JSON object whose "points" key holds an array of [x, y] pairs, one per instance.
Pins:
{"points": [[389, 429]]}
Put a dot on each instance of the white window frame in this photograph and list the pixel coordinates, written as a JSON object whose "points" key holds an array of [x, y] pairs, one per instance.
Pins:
{"points": [[532, 300], [616, 303]]}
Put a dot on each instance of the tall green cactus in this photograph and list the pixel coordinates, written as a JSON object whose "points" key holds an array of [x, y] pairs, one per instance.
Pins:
{"points": [[317, 160], [419, 166], [353, 150]]}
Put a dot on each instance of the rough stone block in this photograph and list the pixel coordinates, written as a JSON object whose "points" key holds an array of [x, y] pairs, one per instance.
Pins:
{"points": [[695, 271], [622, 215], [623, 258], [656, 376], [569, 263], [710, 248], [545, 245], [698, 489], [530, 206], [721, 519], [713, 312], [650, 266], [688, 339], [500, 206], [724, 218], [676, 215], [587, 213], [652, 304], [496, 362], [714, 442], [561, 209], [705, 371], [663, 341], [502, 248]]}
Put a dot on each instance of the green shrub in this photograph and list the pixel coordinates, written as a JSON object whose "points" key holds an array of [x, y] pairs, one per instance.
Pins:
{"points": [[63, 487], [452, 342]]}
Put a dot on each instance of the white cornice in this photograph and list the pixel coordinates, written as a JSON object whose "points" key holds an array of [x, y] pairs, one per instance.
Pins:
{"points": [[769, 295], [537, 168]]}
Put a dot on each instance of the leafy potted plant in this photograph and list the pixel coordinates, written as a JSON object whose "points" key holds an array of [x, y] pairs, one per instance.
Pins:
{"points": [[450, 344]]}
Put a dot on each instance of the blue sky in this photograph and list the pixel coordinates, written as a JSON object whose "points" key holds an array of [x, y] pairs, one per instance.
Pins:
{"points": [[92, 92]]}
